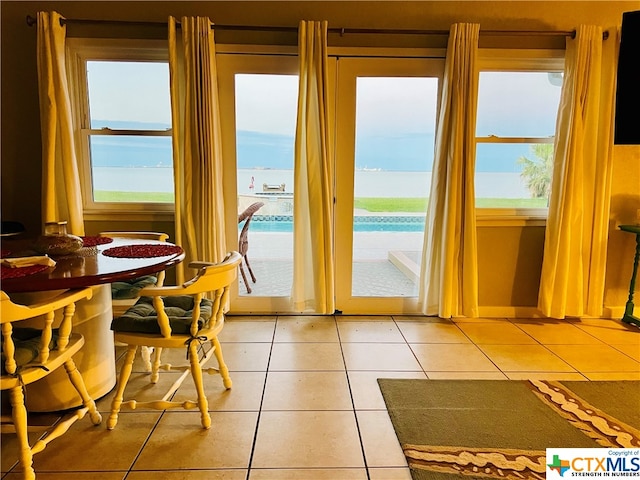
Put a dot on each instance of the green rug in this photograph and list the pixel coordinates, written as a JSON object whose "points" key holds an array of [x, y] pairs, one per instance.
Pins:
{"points": [[453, 429]]}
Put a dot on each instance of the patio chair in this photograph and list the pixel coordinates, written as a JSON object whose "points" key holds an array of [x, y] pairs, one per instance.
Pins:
{"points": [[30, 354], [172, 317], [243, 240]]}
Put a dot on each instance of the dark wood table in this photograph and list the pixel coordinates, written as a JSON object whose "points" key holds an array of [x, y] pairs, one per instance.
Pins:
{"points": [[628, 316], [89, 267]]}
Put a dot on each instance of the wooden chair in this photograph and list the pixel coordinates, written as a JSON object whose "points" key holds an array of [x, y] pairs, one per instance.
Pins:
{"points": [[243, 240], [124, 294], [172, 317], [29, 354]]}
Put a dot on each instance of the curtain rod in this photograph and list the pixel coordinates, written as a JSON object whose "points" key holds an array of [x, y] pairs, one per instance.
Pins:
{"points": [[341, 31]]}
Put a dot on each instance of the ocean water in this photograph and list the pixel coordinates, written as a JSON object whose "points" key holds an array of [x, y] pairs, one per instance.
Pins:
{"points": [[367, 183]]}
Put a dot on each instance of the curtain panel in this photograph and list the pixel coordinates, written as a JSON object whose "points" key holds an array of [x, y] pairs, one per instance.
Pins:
{"points": [[61, 193], [197, 151], [449, 271], [575, 247], [313, 250]]}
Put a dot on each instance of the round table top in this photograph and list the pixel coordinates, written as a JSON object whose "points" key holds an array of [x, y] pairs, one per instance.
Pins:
{"points": [[89, 266]]}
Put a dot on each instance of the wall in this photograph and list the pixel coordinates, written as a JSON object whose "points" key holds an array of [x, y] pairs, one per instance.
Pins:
{"points": [[509, 263]]}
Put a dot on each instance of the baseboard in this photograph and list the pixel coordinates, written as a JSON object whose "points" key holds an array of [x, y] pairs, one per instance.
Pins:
{"points": [[533, 312]]}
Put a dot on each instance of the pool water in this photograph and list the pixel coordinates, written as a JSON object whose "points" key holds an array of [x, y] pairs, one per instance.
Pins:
{"points": [[363, 223]]}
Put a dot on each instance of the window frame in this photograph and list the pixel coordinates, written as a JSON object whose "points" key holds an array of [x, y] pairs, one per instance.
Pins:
{"points": [[516, 60], [79, 52]]}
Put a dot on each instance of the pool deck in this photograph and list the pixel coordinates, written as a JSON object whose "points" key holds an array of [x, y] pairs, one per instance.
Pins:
{"points": [[385, 263]]}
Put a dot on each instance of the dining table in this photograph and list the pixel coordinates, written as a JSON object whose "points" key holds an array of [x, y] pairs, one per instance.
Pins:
{"points": [[98, 263]]}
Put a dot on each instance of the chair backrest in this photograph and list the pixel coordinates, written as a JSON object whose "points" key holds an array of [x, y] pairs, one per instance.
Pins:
{"points": [[12, 312], [247, 214], [215, 278]]}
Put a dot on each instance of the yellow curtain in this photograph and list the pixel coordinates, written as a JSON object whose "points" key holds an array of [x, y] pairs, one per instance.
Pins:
{"points": [[313, 270], [197, 152], [449, 271], [573, 267], [61, 194]]}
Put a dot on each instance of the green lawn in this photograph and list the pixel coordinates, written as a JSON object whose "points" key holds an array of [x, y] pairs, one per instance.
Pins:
{"points": [[370, 204]]}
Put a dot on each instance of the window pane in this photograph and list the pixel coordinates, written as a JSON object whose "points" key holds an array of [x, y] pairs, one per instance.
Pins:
{"points": [[395, 131], [266, 109], [513, 175], [129, 95], [518, 104], [132, 169]]}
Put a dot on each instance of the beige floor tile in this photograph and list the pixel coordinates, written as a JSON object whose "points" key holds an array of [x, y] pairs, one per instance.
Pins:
{"points": [[247, 331], [369, 332], [545, 376], [365, 390], [459, 320], [236, 474], [612, 375], [595, 358], [307, 439], [71, 476], [611, 331], [102, 450], [632, 350], [557, 333], [381, 446], [306, 329], [525, 358], [379, 357], [246, 357], [452, 357], [420, 319], [307, 391], [244, 395], [364, 318], [309, 474], [389, 473], [180, 442], [497, 375], [250, 318], [432, 332], [140, 388], [306, 356], [504, 333], [9, 449]]}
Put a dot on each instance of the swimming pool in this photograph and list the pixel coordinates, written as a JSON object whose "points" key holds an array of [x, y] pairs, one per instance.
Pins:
{"points": [[361, 223]]}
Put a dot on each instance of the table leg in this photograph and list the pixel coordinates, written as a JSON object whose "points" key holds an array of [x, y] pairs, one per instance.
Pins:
{"points": [[95, 361], [628, 316]]}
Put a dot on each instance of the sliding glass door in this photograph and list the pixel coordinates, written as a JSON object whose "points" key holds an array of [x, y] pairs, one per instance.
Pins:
{"points": [[385, 131]]}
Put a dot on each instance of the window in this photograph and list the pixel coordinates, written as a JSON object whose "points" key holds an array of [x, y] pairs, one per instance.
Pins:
{"points": [[123, 125], [518, 102]]}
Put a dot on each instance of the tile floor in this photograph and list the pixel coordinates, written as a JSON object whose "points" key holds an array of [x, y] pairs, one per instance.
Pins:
{"points": [[305, 404]]}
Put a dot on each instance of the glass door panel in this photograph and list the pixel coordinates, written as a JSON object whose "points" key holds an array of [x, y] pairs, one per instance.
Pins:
{"points": [[386, 129], [258, 98]]}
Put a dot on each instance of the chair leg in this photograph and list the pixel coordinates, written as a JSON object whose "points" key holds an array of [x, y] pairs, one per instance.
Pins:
{"points": [[145, 354], [19, 415], [78, 383], [244, 277], [157, 360], [196, 373], [125, 373], [222, 367], [253, 277]]}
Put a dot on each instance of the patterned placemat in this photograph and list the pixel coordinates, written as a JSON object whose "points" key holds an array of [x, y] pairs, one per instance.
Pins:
{"points": [[9, 272], [95, 240], [142, 251]]}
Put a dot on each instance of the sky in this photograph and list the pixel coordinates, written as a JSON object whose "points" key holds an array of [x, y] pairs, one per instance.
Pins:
{"points": [[138, 91]]}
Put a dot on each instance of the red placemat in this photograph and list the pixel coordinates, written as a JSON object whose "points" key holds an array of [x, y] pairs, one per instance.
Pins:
{"points": [[93, 241], [8, 272], [142, 251]]}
